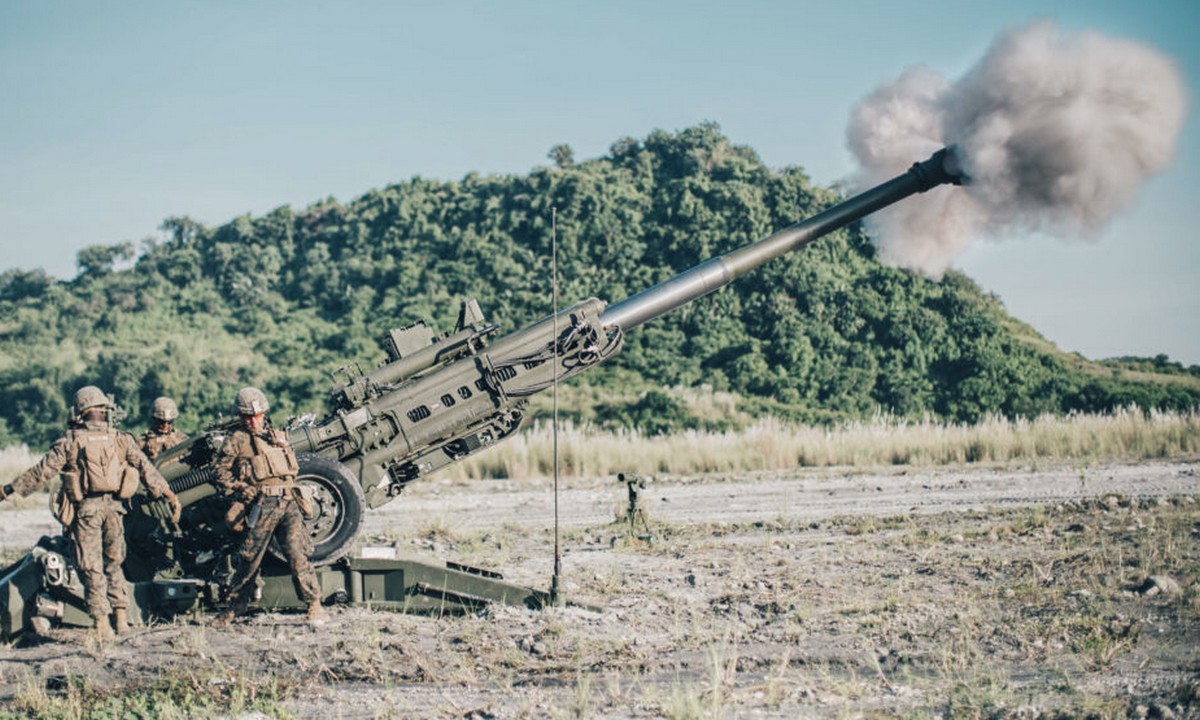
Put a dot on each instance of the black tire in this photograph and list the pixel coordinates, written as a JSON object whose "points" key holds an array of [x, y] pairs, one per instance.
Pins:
{"points": [[339, 503]]}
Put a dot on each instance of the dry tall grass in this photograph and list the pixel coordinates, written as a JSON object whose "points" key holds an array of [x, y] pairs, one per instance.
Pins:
{"points": [[771, 444]]}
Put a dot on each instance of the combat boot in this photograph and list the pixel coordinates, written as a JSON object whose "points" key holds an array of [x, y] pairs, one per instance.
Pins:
{"points": [[120, 621], [317, 615], [104, 631]]}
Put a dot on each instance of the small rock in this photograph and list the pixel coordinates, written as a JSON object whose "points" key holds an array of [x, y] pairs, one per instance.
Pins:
{"points": [[1160, 584], [1162, 711]]}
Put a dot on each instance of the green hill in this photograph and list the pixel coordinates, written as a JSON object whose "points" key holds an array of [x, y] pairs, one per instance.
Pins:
{"points": [[282, 300]]}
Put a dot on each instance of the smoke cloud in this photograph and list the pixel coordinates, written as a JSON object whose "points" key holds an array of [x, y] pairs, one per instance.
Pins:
{"points": [[1057, 133]]}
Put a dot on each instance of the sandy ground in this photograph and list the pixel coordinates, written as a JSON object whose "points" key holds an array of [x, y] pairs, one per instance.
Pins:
{"points": [[1010, 591], [805, 495]]}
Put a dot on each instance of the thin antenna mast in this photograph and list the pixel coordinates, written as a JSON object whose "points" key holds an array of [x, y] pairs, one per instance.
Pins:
{"points": [[555, 595]]}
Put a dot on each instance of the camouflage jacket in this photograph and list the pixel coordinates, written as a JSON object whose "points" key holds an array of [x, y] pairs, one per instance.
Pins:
{"points": [[255, 460], [153, 443], [66, 453]]}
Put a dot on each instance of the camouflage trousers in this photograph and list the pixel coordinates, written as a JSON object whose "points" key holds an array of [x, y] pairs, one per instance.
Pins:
{"points": [[99, 535], [280, 518]]}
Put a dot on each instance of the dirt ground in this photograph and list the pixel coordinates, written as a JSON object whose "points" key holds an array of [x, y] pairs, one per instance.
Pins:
{"points": [[1013, 591]]}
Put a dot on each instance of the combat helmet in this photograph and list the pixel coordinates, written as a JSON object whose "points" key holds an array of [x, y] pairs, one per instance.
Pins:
{"points": [[89, 396], [165, 409], [250, 401]]}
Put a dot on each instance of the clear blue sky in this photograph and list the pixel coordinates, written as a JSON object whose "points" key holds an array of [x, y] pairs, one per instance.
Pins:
{"points": [[116, 115]]}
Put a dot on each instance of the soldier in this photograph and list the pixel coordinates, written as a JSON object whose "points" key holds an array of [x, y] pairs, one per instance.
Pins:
{"points": [[163, 435], [256, 465], [100, 467]]}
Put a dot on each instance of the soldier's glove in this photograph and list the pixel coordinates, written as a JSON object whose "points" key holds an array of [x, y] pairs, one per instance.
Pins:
{"points": [[247, 492], [176, 508]]}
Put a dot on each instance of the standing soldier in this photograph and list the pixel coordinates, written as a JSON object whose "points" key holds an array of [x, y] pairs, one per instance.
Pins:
{"points": [[100, 467], [256, 465], [163, 435]]}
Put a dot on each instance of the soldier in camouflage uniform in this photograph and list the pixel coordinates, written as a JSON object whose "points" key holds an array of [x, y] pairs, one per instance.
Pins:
{"points": [[100, 467], [163, 435], [256, 466]]}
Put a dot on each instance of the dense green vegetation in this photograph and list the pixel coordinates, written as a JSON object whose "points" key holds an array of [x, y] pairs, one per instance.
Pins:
{"points": [[284, 299]]}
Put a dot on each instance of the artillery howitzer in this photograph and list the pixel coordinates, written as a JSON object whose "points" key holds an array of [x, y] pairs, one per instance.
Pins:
{"points": [[433, 401]]}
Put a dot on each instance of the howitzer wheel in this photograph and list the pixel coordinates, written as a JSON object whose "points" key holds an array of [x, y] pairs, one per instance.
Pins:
{"points": [[339, 507]]}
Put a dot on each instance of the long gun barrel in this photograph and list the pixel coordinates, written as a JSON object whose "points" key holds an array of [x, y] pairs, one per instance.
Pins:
{"points": [[718, 272]]}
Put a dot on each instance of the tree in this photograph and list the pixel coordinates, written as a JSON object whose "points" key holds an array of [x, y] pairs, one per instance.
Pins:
{"points": [[562, 155], [19, 284], [100, 260]]}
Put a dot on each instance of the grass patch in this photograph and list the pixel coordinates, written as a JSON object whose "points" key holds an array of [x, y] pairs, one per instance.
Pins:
{"points": [[176, 694]]}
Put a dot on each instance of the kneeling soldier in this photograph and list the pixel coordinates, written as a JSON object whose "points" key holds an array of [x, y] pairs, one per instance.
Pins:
{"points": [[100, 466], [256, 466]]}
